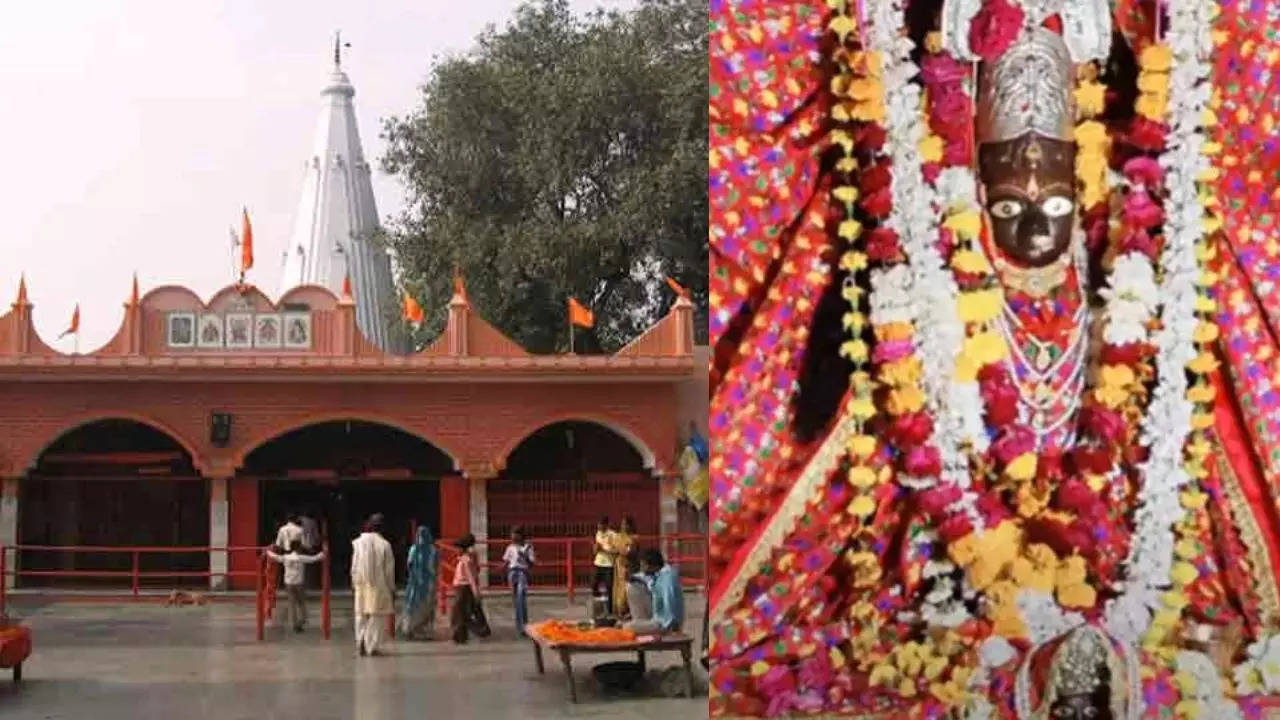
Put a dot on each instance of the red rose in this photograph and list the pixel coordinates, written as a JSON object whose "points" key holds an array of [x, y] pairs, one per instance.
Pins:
{"points": [[930, 171], [1001, 400], [1049, 468], [1095, 222], [1103, 424], [1075, 495], [911, 429], [1078, 537], [935, 501], [882, 245], [874, 178], [1013, 441], [1127, 354], [878, 204], [1094, 460], [969, 281], [992, 508], [994, 374], [1147, 134], [957, 153], [955, 527], [923, 461], [869, 138], [994, 29], [946, 242]]}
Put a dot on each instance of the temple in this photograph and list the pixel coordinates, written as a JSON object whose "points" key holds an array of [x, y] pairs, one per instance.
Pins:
{"points": [[333, 229], [202, 422]]}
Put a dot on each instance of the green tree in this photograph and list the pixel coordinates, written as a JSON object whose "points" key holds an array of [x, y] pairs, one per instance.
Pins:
{"points": [[561, 156]]}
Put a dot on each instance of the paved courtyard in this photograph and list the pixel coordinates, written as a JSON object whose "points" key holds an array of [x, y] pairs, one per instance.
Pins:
{"points": [[143, 660]]}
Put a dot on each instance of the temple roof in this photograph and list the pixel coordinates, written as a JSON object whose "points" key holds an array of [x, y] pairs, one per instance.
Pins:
{"points": [[335, 217]]}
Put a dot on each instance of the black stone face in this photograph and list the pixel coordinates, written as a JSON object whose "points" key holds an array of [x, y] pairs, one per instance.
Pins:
{"points": [[1081, 707], [1030, 196]]}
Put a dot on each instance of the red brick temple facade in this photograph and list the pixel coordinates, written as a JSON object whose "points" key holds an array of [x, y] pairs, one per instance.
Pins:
{"points": [[202, 424]]}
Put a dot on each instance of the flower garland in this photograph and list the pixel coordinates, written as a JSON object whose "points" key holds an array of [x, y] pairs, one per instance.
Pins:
{"points": [[1170, 414]]}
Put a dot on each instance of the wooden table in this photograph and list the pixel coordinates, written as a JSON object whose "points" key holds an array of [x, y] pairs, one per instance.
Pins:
{"points": [[641, 645]]}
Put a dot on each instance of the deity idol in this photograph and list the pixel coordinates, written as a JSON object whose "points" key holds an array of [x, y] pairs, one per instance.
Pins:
{"points": [[968, 423]]}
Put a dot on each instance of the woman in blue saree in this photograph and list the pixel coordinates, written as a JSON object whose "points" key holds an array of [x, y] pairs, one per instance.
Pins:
{"points": [[418, 622]]}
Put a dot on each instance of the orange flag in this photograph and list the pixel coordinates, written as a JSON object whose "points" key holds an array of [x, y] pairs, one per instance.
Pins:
{"points": [[246, 245], [75, 323], [579, 315], [677, 287], [412, 310]]}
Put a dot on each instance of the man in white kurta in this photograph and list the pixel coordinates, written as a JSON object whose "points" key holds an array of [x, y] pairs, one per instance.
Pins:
{"points": [[373, 580]]}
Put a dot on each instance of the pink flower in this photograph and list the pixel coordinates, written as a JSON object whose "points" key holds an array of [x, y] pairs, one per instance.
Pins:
{"points": [[1143, 170], [892, 350], [1138, 240], [950, 112], [999, 395], [923, 461], [1015, 440], [994, 28], [935, 501], [1140, 211], [942, 70], [930, 171], [992, 508], [946, 242]]}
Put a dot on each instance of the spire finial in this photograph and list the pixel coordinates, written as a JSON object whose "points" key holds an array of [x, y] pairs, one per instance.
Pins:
{"points": [[133, 295], [22, 290], [337, 49]]}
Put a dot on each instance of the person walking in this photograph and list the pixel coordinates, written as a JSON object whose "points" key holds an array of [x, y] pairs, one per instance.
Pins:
{"points": [[419, 618], [289, 532], [373, 580], [519, 558], [295, 586], [467, 613]]}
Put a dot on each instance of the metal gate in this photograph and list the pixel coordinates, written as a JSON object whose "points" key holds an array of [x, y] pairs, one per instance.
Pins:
{"points": [[568, 507]]}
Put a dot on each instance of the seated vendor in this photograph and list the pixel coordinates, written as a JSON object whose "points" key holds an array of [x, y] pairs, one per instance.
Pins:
{"points": [[656, 597]]}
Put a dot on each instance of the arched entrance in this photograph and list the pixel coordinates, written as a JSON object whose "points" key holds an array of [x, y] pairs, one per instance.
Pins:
{"points": [[113, 483], [342, 471], [558, 482]]}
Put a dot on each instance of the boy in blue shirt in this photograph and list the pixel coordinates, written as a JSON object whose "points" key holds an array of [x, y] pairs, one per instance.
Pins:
{"points": [[661, 592]]}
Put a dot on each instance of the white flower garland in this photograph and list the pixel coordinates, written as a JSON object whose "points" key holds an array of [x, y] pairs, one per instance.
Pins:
{"points": [[1132, 299], [1208, 693], [1260, 671], [1168, 421], [939, 333]]}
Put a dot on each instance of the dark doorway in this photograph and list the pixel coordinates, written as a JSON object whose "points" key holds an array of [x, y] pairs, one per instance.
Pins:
{"points": [[344, 471], [114, 483], [341, 507]]}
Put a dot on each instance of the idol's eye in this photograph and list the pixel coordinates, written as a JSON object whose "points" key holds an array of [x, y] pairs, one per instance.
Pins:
{"points": [[1006, 209], [1057, 206]]}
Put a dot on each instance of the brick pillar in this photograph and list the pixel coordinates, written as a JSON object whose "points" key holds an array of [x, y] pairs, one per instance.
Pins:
{"points": [[9, 524], [219, 532], [242, 528], [455, 507]]}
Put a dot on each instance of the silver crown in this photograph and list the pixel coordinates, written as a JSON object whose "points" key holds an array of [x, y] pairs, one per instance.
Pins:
{"points": [[1082, 656], [1030, 88]]}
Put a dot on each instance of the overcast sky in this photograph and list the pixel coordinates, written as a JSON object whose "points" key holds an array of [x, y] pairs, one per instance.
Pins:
{"points": [[135, 130]]}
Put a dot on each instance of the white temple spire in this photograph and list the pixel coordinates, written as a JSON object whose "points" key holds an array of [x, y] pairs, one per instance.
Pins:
{"points": [[336, 216]]}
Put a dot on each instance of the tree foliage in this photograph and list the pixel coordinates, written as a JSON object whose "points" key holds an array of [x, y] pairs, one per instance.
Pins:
{"points": [[561, 156]]}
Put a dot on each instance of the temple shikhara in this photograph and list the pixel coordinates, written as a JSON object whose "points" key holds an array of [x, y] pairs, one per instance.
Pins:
{"points": [[994, 392], [203, 421]]}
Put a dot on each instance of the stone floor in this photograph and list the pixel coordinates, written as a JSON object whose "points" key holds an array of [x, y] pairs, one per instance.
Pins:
{"points": [[144, 660]]}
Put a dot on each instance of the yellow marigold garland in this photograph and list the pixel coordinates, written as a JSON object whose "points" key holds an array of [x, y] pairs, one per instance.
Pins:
{"points": [[1093, 143]]}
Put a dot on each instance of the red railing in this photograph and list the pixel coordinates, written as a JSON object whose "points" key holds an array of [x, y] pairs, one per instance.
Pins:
{"points": [[566, 563], [265, 592], [135, 574]]}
